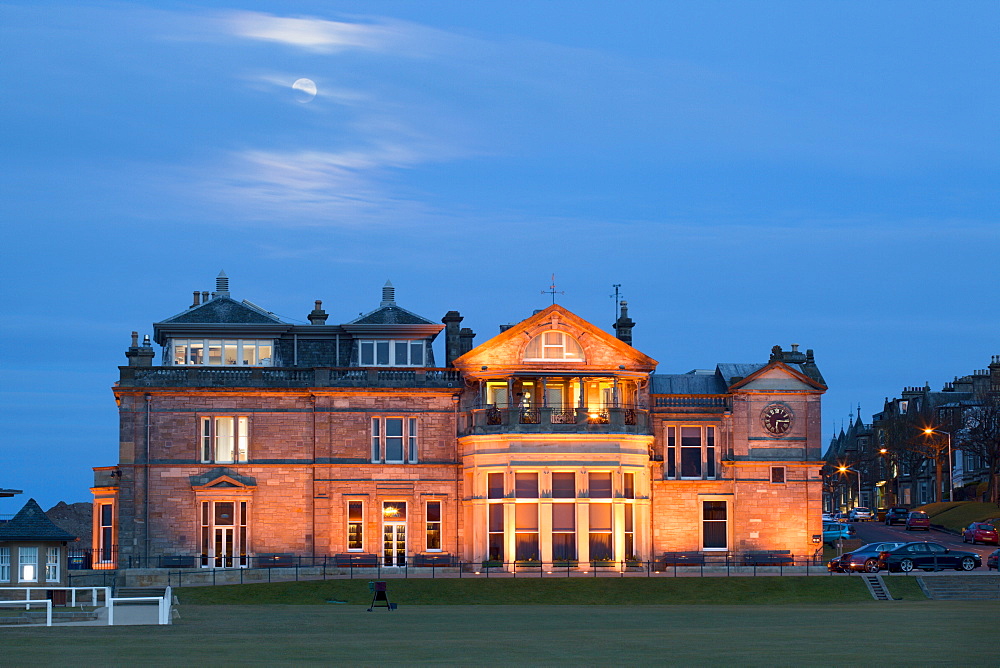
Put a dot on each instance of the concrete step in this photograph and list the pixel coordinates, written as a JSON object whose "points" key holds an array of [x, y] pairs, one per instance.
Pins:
{"points": [[959, 588]]}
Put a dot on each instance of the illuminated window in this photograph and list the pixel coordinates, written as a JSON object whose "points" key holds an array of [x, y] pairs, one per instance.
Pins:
{"points": [[224, 440], [553, 346], [714, 524], [394, 440], [526, 532], [27, 564], [4, 564], [52, 564], [355, 526], [629, 531], [693, 455], [220, 352], [433, 526], [495, 532], [389, 352], [601, 543], [105, 533], [224, 534], [564, 531]]}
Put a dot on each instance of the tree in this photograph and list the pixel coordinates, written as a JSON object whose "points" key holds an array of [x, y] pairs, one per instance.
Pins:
{"points": [[979, 434], [904, 438]]}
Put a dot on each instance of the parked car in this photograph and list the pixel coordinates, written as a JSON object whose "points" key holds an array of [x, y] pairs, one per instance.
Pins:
{"points": [[896, 515], [928, 557], [991, 561], [918, 519], [860, 514], [864, 558], [840, 517], [834, 531], [827, 517], [980, 532]]}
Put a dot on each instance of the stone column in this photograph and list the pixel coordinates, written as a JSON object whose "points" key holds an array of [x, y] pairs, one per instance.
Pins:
{"points": [[583, 531]]}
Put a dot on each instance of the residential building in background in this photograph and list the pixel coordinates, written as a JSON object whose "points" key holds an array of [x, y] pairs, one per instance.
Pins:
{"points": [[555, 441]]}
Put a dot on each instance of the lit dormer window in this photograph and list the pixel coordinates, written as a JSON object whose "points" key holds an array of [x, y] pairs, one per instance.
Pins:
{"points": [[221, 352], [553, 346], [391, 353]]}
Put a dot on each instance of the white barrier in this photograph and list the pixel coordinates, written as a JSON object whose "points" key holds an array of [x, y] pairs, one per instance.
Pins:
{"points": [[72, 602], [163, 606], [27, 605]]}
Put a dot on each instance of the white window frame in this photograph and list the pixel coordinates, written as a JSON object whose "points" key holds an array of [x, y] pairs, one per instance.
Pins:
{"points": [[392, 356], [209, 439], [263, 352], [4, 564], [27, 557], [52, 556], [240, 528], [409, 439], [546, 348]]}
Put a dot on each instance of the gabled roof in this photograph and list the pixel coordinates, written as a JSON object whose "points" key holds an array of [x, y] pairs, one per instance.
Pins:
{"points": [[603, 351], [223, 311], [31, 523], [391, 315], [793, 370]]}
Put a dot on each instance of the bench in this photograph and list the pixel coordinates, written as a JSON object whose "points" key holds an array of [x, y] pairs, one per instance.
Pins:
{"points": [[769, 558], [178, 561], [433, 559], [355, 559], [682, 559], [276, 560]]}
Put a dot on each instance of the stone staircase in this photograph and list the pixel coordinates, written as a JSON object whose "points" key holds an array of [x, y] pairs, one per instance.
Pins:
{"points": [[961, 587], [877, 588]]}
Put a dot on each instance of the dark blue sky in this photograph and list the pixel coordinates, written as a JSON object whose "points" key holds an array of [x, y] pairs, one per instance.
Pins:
{"points": [[751, 173]]}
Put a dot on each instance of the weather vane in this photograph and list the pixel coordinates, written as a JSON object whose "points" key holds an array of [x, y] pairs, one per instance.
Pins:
{"points": [[552, 290], [617, 297]]}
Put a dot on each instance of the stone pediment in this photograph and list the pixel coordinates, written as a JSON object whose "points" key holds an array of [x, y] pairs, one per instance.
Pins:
{"points": [[777, 377], [600, 350], [222, 479]]}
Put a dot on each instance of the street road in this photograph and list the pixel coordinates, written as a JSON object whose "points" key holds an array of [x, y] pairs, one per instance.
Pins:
{"points": [[871, 532]]}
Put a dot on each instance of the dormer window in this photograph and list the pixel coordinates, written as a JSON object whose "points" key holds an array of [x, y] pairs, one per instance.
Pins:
{"points": [[553, 346], [389, 352], [221, 352]]}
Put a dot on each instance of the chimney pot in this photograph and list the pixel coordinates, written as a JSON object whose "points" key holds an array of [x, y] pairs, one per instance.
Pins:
{"points": [[197, 299]]}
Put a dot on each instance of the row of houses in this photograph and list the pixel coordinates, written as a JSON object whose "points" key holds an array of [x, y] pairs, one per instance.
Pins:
{"points": [[923, 446]]}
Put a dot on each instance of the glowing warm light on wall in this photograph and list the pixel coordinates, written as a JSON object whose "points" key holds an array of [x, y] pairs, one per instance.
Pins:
{"points": [[390, 511]]}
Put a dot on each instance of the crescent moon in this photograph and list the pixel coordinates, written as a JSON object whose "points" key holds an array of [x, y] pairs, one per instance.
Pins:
{"points": [[305, 89]]}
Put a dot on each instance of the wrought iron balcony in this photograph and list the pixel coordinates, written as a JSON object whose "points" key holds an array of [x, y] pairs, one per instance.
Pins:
{"points": [[606, 420], [278, 377]]}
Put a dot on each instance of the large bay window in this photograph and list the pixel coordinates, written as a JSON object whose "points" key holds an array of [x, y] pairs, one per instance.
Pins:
{"points": [[692, 455], [225, 440], [394, 440], [389, 352], [221, 352]]}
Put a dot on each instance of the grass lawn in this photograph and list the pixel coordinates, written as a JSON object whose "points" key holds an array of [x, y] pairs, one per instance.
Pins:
{"points": [[923, 633], [544, 591], [959, 515]]}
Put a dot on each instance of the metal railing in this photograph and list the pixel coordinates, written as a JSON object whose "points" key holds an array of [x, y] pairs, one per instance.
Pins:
{"points": [[201, 376]]}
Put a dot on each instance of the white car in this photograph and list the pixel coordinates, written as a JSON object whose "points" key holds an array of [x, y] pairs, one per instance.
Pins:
{"points": [[860, 514]]}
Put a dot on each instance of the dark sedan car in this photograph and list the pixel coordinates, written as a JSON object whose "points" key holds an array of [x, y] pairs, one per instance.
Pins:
{"points": [[896, 515], [927, 557], [980, 532], [991, 560], [865, 558]]}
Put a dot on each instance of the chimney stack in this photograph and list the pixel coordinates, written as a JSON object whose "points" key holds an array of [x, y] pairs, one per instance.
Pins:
{"points": [[139, 355], [318, 316], [623, 326], [197, 299], [452, 346]]}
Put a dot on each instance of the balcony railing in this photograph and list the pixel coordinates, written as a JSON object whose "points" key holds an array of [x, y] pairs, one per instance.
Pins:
{"points": [[609, 419], [277, 377], [707, 403]]}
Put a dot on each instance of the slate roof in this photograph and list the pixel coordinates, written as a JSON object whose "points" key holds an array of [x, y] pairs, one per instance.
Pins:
{"points": [[31, 523], [728, 371], [693, 382], [391, 315], [223, 310]]}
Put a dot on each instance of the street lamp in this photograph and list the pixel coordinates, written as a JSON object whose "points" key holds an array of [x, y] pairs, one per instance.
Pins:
{"points": [[951, 478], [844, 469]]}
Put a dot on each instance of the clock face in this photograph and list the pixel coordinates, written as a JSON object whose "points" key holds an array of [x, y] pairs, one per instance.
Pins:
{"points": [[776, 419]]}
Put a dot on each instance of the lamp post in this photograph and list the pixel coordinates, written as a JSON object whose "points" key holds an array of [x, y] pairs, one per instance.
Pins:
{"points": [[844, 469], [951, 478]]}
